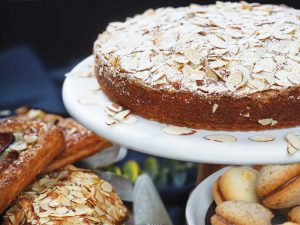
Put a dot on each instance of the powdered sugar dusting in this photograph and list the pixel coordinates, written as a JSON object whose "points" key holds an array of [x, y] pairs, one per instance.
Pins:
{"points": [[235, 48]]}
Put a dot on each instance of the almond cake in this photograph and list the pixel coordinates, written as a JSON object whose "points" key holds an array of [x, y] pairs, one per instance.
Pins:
{"points": [[225, 66]]}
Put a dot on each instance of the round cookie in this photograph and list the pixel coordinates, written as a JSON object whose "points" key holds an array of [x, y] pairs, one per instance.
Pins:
{"points": [[278, 186], [238, 183], [241, 213]]}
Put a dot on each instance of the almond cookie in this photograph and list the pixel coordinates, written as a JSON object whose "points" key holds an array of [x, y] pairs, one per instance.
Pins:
{"points": [[278, 186], [238, 183], [241, 213]]}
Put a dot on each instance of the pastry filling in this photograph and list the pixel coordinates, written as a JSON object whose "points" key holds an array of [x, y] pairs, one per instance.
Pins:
{"points": [[220, 192], [11, 144], [280, 187]]}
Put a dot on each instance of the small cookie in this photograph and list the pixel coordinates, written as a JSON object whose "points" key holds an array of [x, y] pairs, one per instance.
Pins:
{"points": [[278, 186], [238, 183], [68, 196], [241, 213]]}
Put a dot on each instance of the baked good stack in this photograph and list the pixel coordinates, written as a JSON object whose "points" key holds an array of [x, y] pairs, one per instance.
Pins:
{"points": [[246, 196], [226, 66], [34, 143]]}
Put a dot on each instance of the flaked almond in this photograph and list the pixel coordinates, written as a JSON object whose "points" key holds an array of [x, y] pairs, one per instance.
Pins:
{"points": [[109, 112], [130, 119], [87, 101], [175, 130], [221, 138], [105, 186], [262, 138], [193, 56], [114, 107], [294, 140], [19, 146], [291, 149], [30, 138], [110, 121], [212, 74], [217, 64], [122, 115], [217, 42], [214, 108], [35, 113], [267, 121]]}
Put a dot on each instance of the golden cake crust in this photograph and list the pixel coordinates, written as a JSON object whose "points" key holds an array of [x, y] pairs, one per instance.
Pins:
{"points": [[202, 67]]}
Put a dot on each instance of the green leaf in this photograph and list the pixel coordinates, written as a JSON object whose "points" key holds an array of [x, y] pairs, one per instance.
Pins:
{"points": [[151, 167], [131, 170]]}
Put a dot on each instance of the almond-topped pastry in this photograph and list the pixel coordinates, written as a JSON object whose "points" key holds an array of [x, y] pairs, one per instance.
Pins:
{"points": [[241, 213], [238, 183], [232, 66], [26, 148], [278, 186], [80, 142], [294, 214], [68, 196]]}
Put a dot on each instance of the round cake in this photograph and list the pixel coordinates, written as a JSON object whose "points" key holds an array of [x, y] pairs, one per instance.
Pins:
{"points": [[226, 66]]}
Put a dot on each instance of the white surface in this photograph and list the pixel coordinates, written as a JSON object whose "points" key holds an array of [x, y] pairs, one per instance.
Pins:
{"points": [[200, 200], [146, 136]]}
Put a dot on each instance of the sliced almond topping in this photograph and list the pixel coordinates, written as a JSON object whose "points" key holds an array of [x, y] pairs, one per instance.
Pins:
{"points": [[193, 56], [114, 107], [262, 138], [35, 113], [267, 121], [19, 146], [105, 186], [220, 138], [30, 138], [212, 74], [130, 119], [175, 130], [217, 42], [109, 112], [110, 121], [293, 57], [291, 149], [87, 101], [214, 108], [263, 36], [217, 64], [120, 116], [294, 140]]}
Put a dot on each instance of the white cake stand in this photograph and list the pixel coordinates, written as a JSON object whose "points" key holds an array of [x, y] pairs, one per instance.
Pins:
{"points": [[87, 106]]}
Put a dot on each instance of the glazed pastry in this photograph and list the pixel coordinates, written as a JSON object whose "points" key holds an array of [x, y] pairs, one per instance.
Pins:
{"points": [[278, 186], [68, 196], [26, 148], [294, 215], [80, 142], [241, 213], [238, 183]]}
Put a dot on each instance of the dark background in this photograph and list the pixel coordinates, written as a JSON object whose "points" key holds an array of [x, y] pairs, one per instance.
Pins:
{"points": [[42, 40], [62, 31]]}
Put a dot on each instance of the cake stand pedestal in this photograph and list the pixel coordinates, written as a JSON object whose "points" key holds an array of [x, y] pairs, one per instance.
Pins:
{"points": [[86, 102]]}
